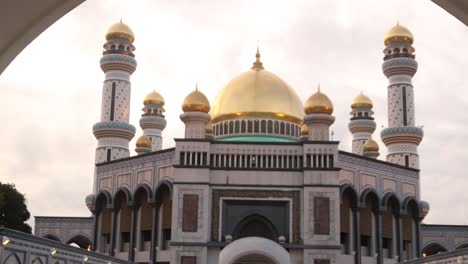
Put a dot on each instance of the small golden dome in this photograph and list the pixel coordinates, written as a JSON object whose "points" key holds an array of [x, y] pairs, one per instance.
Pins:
{"points": [[153, 98], [318, 103], [196, 102], [362, 101], [370, 145], [120, 30], [143, 142], [304, 130], [398, 33]]}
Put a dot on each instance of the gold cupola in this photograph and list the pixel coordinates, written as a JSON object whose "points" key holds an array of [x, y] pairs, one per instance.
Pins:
{"points": [[318, 103], [304, 130], [398, 33], [362, 101], [153, 98], [143, 142], [120, 30], [257, 94], [196, 101], [370, 145]]}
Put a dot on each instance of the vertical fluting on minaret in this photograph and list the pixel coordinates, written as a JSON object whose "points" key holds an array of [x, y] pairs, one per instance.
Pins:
{"points": [[114, 132], [152, 120], [401, 137], [318, 116], [361, 124]]}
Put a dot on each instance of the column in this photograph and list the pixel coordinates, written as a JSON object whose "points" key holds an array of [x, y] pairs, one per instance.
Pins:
{"points": [[356, 236], [113, 230], [95, 231], [417, 239], [154, 232], [399, 237], [133, 224], [378, 216]]}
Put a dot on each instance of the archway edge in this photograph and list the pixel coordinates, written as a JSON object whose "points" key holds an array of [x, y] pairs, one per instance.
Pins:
{"points": [[254, 245]]}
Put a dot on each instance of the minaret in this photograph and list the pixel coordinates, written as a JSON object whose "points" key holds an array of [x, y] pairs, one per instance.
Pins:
{"points": [[402, 137], [114, 132], [362, 123], [152, 120], [318, 109], [196, 115]]}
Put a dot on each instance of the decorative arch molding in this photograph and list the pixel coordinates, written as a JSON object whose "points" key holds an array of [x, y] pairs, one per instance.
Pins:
{"points": [[386, 197], [107, 195], [461, 245], [254, 246], [406, 202], [252, 219], [345, 187], [127, 193], [143, 187], [162, 184], [366, 192], [52, 237], [37, 260]]}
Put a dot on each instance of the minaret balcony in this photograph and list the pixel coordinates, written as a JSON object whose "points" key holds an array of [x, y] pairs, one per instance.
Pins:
{"points": [[400, 65], [402, 135], [362, 125], [118, 62], [114, 129], [154, 122]]}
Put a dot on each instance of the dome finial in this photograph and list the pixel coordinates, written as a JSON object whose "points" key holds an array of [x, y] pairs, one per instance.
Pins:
{"points": [[318, 88], [258, 65], [121, 20], [196, 86]]}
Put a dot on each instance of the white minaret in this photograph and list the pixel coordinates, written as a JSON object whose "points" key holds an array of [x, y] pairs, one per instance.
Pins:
{"points": [[318, 116], [402, 137], [152, 120], [114, 132], [196, 115], [362, 123]]}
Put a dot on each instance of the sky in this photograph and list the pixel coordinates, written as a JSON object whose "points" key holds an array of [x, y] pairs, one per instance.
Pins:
{"points": [[51, 93]]}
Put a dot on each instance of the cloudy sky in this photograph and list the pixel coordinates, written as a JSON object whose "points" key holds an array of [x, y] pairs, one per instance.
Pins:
{"points": [[51, 93]]}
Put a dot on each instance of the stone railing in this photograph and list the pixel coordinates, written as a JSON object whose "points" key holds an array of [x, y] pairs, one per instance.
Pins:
{"points": [[455, 257], [21, 248]]}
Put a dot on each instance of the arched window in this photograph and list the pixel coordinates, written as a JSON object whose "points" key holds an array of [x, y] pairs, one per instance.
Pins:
{"points": [[236, 127], [348, 202], [255, 225], [359, 114], [282, 128], [263, 126], [121, 47], [396, 51], [249, 126], [405, 50], [367, 224], [243, 126], [145, 216], [226, 129], [113, 47], [433, 248], [366, 114], [270, 127], [221, 129], [276, 127], [124, 220], [256, 126], [288, 129], [231, 127]]}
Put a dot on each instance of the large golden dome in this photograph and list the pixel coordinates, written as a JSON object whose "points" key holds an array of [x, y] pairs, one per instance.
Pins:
{"points": [[398, 33], [153, 98], [120, 30], [196, 102], [361, 101], [318, 103], [257, 93]]}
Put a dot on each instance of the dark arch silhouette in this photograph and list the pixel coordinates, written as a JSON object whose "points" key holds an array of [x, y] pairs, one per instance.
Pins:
{"points": [[81, 240], [390, 196], [462, 245], [37, 260], [255, 225], [52, 237], [433, 248], [348, 189], [253, 258]]}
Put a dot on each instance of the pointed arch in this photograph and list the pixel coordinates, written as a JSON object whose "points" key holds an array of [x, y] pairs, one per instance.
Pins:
{"points": [[103, 200], [349, 189], [164, 183], [37, 260], [124, 190], [462, 245], [388, 196], [255, 225], [369, 192], [410, 202], [433, 248], [143, 187]]}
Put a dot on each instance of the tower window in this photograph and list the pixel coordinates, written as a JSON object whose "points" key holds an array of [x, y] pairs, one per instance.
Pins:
{"points": [[108, 154], [112, 102], [406, 160]]}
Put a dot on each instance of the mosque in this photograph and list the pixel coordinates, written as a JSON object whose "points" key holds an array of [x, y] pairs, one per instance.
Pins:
{"points": [[257, 177]]}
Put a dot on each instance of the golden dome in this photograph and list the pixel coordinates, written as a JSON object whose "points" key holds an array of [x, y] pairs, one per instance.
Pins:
{"points": [[196, 102], [257, 93], [318, 103], [362, 101], [304, 130], [153, 98], [143, 142], [398, 33], [120, 30], [370, 145]]}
